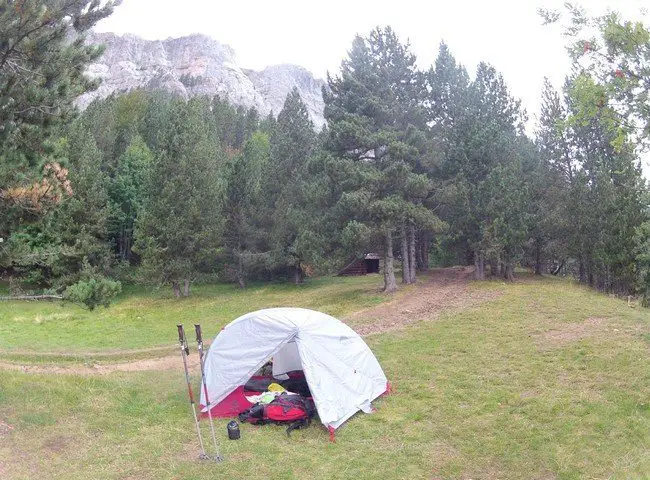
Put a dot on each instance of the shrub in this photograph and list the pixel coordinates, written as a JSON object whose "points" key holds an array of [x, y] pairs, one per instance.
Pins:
{"points": [[93, 288], [93, 292]]}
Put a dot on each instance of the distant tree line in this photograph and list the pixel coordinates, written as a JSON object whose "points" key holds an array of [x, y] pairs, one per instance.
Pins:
{"points": [[429, 167]]}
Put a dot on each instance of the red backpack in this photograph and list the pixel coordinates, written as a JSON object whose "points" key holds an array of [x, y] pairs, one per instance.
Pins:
{"points": [[294, 409]]}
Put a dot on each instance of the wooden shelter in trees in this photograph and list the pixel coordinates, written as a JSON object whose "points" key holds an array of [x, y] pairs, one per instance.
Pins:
{"points": [[361, 266]]}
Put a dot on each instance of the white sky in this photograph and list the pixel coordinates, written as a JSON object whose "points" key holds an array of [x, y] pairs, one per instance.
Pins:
{"points": [[506, 33]]}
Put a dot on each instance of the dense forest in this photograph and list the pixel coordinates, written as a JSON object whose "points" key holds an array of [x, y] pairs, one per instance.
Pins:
{"points": [[422, 166]]}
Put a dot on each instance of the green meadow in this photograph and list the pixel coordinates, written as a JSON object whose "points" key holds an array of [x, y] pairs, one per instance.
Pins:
{"points": [[546, 380]]}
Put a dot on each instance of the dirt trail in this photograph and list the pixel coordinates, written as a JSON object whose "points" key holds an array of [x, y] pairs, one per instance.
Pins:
{"points": [[438, 291], [170, 362]]}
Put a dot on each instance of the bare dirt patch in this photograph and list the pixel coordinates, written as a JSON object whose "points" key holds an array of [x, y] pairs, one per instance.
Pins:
{"points": [[57, 444], [5, 428], [441, 290], [171, 362], [573, 332]]}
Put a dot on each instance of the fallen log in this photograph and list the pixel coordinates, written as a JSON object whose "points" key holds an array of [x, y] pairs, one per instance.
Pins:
{"points": [[33, 297]]}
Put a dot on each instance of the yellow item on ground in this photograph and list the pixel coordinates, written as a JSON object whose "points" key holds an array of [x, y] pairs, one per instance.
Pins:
{"points": [[274, 387]]}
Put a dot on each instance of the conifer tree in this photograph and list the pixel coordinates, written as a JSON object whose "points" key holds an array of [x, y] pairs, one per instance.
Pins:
{"points": [[292, 239], [127, 194], [180, 227], [43, 56], [243, 236], [374, 111], [54, 249]]}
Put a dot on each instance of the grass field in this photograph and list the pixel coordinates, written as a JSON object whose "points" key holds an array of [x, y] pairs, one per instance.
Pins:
{"points": [[547, 380], [146, 318]]}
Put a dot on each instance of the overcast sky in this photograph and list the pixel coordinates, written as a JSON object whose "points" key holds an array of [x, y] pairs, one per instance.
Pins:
{"points": [[317, 35]]}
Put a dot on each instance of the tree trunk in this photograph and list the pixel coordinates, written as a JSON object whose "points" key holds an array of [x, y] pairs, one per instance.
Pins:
{"points": [[509, 274], [538, 256], [186, 288], [406, 271], [493, 262], [241, 280], [298, 275], [390, 285], [419, 260], [120, 244], [128, 243], [176, 288], [582, 272], [412, 262], [426, 241], [479, 265]]}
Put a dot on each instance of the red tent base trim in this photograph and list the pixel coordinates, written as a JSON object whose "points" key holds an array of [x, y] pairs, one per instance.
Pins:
{"points": [[232, 405]]}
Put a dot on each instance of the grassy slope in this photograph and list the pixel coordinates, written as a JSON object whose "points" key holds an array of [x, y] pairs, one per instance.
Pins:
{"points": [[142, 318], [513, 389]]}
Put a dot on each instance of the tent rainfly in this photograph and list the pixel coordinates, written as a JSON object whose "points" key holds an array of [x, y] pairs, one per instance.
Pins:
{"points": [[342, 373]]}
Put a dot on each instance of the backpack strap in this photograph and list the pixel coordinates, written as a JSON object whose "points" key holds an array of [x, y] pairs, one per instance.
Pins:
{"points": [[296, 425]]}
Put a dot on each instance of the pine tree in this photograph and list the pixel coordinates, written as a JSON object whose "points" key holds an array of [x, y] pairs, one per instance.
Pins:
{"points": [[43, 56], [179, 229], [482, 188], [243, 235], [127, 194], [53, 250], [291, 234], [374, 111]]}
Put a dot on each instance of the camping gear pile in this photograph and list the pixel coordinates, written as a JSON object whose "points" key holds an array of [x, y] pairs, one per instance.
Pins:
{"points": [[320, 366], [277, 404]]}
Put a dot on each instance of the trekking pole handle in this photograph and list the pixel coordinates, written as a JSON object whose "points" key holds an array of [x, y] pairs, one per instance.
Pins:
{"points": [[181, 339], [199, 337]]}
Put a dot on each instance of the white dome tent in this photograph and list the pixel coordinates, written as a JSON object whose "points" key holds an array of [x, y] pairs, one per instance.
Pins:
{"points": [[342, 373]]}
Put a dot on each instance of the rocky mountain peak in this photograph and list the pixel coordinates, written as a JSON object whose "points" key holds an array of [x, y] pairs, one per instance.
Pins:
{"points": [[197, 65]]}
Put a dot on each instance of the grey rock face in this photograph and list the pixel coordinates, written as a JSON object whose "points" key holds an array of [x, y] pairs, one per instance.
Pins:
{"points": [[197, 65]]}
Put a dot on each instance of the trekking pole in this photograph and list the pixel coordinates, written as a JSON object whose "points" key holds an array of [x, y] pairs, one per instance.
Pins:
{"points": [[199, 343], [185, 350]]}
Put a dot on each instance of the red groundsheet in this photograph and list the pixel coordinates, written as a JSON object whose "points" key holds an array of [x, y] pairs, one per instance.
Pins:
{"points": [[232, 405]]}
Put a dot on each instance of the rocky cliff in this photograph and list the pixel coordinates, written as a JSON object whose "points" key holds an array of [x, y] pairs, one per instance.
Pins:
{"points": [[197, 65]]}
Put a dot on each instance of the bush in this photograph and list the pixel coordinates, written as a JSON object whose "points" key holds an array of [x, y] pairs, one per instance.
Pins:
{"points": [[92, 289], [94, 292]]}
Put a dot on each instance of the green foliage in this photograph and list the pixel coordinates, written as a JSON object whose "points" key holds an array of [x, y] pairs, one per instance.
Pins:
{"points": [[244, 239], [293, 235], [375, 118], [42, 60], [596, 197], [92, 289], [613, 53], [178, 232], [127, 194], [156, 189], [51, 250], [483, 190], [642, 240]]}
